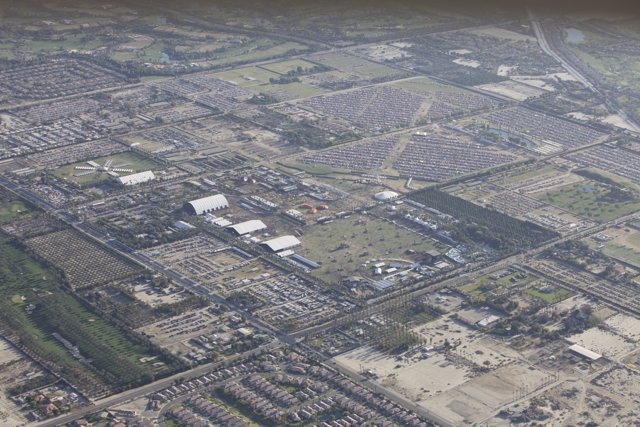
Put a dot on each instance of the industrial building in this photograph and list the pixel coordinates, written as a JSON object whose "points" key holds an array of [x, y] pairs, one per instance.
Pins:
{"points": [[281, 243], [206, 204], [585, 353], [136, 178], [247, 227]]}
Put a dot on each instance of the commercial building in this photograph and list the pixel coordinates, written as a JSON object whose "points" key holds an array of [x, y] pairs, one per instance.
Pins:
{"points": [[136, 178], [585, 353], [281, 243], [247, 227], [206, 204]]}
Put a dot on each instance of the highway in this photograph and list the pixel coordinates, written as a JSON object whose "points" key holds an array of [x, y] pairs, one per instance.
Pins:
{"points": [[546, 47]]}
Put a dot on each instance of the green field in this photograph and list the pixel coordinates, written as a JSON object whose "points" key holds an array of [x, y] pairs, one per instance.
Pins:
{"points": [[255, 51], [284, 92], [592, 200], [115, 357], [257, 79], [366, 238], [68, 42], [361, 67], [13, 209], [133, 161], [248, 77], [627, 250], [283, 67], [557, 295], [484, 287]]}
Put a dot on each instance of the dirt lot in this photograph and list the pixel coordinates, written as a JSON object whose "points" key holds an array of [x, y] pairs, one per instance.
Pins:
{"points": [[15, 369]]}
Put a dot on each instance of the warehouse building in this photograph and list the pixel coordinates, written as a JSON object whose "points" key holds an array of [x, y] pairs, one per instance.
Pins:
{"points": [[206, 205], [281, 243], [247, 227], [585, 353], [136, 178]]}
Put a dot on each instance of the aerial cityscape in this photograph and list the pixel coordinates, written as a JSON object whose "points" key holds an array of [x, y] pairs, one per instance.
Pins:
{"points": [[333, 214]]}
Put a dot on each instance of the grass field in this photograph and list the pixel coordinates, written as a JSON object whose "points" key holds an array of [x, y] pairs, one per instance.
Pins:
{"points": [[284, 67], [288, 91], [255, 51], [588, 199], [11, 210], [69, 42], [557, 295], [627, 250], [115, 357], [484, 287], [133, 161], [361, 67], [248, 77], [365, 238]]}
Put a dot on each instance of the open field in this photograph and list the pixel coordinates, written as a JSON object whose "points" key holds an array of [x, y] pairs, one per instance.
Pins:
{"points": [[255, 51], [592, 200], [344, 245], [35, 307], [284, 67], [248, 77], [622, 243], [495, 284], [126, 160], [12, 208], [360, 67]]}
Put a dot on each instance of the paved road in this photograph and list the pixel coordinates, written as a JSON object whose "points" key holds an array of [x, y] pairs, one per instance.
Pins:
{"points": [[548, 49], [153, 387]]}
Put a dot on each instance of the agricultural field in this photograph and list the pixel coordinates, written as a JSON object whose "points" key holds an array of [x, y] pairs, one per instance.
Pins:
{"points": [[125, 160], [83, 263], [34, 306]]}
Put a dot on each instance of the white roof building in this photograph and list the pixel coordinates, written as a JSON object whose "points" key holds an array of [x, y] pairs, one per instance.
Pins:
{"points": [[385, 195], [136, 178], [585, 352], [281, 243], [247, 227], [206, 204]]}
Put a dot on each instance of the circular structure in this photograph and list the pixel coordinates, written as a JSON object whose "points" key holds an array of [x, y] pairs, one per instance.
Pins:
{"points": [[385, 195]]}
